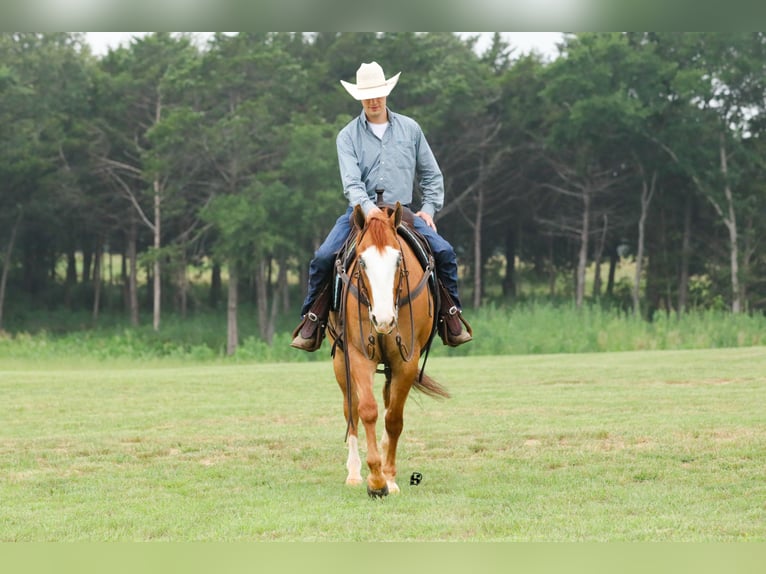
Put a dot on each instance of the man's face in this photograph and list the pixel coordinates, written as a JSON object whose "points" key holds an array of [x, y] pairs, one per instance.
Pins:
{"points": [[375, 110]]}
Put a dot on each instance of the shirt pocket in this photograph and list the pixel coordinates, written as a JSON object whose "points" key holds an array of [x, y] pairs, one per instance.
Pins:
{"points": [[405, 154]]}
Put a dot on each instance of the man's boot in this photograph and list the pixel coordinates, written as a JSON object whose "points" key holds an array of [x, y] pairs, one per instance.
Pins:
{"points": [[453, 328], [309, 334]]}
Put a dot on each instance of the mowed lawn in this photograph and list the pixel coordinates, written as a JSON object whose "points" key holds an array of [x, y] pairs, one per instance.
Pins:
{"points": [[639, 446]]}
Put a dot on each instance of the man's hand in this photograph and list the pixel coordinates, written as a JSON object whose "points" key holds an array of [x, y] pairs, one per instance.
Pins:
{"points": [[427, 218]]}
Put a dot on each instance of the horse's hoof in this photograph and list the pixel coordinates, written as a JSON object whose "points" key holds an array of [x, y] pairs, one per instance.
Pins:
{"points": [[377, 492]]}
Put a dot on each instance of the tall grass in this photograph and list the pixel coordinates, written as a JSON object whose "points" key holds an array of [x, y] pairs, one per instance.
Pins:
{"points": [[524, 329], [547, 328]]}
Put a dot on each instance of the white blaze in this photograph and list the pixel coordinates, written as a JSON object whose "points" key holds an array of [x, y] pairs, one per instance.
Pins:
{"points": [[381, 268]]}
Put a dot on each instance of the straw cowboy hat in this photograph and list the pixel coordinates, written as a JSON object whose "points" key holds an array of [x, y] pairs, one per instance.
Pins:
{"points": [[370, 82]]}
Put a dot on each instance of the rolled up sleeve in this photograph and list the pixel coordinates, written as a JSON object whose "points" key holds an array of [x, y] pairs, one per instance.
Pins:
{"points": [[430, 177], [351, 176]]}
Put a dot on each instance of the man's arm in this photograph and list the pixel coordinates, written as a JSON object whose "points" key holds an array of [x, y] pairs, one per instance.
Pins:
{"points": [[431, 181], [350, 174]]}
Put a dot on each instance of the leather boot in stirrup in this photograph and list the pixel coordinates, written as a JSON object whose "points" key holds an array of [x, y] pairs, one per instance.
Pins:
{"points": [[308, 335], [454, 329]]}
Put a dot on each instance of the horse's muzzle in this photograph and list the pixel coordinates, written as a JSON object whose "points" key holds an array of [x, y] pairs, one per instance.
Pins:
{"points": [[383, 326]]}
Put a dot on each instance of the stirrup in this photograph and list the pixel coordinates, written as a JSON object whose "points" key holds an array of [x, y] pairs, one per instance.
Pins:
{"points": [[451, 328], [308, 335]]}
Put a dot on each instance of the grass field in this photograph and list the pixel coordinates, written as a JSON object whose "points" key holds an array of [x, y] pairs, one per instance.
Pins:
{"points": [[637, 446]]}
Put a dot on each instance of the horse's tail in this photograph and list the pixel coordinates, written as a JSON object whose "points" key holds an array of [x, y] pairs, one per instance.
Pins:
{"points": [[430, 387]]}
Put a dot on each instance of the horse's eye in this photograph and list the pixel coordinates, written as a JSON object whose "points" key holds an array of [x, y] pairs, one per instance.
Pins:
{"points": [[362, 264]]}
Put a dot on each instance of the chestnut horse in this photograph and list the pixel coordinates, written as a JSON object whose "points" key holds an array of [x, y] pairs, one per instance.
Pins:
{"points": [[386, 317]]}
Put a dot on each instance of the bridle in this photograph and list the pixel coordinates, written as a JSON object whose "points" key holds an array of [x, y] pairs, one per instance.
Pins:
{"points": [[355, 283]]}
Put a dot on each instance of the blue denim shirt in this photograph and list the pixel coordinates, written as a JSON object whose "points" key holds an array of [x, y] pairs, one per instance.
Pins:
{"points": [[368, 163]]}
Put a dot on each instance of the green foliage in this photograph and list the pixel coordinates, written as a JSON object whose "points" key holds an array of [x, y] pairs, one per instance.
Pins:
{"points": [[534, 328], [546, 328], [236, 141]]}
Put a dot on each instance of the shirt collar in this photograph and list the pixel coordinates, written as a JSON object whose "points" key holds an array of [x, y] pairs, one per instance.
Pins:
{"points": [[391, 117]]}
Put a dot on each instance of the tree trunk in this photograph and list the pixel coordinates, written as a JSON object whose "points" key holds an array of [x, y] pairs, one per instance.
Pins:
{"points": [[647, 191], [597, 257], [477, 266], [614, 258], [262, 299], [215, 286], [511, 244], [275, 299], [133, 273], [285, 290], [97, 263], [232, 332], [7, 263], [683, 281], [551, 268], [87, 262], [749, 249], [124, 277], [71, 268], [729, 218], [731, 224], [157, 245], [582, 260], [182, 285], [70, 281]]}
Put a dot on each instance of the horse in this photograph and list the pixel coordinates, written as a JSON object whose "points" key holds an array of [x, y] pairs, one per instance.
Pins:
{"points": [[385, 316]]}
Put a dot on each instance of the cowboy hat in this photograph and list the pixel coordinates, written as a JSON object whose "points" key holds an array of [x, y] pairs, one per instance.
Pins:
{"points": [[370, 82]]}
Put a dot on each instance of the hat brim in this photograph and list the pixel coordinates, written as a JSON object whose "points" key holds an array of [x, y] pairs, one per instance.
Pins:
{"points": [[371, 93]]}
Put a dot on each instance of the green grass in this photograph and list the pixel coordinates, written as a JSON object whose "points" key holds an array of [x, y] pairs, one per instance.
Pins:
{"points": [[530, 328], [639, 446]]}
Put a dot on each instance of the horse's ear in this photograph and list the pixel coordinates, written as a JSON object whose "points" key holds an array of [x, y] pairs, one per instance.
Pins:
{"points": [[358, 216], [397, 214]]}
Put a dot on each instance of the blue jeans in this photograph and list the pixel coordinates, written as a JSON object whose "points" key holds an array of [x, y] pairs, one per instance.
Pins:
{"points": [[321, 266]]}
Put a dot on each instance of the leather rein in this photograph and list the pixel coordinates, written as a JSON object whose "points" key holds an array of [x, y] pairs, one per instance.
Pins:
{"points": [[353, 283]]}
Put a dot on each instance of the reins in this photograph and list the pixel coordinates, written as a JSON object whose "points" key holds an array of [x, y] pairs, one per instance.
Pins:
{"points": [[353, 284]]}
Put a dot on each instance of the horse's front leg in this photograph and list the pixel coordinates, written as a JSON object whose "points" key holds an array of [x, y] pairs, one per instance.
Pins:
{"points": [[353, 462], [363, 373], [401, 383]]}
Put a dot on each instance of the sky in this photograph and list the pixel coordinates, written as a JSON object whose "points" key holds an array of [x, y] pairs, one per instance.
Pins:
{"points": [[523, 42]]}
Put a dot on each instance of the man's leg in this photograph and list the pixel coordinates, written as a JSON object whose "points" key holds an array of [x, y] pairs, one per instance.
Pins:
{"points": [[446, 270], [308, 335]]}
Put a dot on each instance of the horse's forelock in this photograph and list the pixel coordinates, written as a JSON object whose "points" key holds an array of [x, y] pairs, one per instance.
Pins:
{"points": [[377, 229]]}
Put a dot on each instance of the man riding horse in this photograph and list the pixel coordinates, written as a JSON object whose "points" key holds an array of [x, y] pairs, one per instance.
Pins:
{"points": [[384, 150]]}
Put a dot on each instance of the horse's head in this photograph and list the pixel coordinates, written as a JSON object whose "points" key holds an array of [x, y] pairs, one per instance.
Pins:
{"points": [[380, 259]]}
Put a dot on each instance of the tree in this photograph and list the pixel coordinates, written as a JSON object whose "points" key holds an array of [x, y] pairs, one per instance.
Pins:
{"points": [[151, 74], [258, 87], [44, 82], [724, 88], [593, 111]]}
